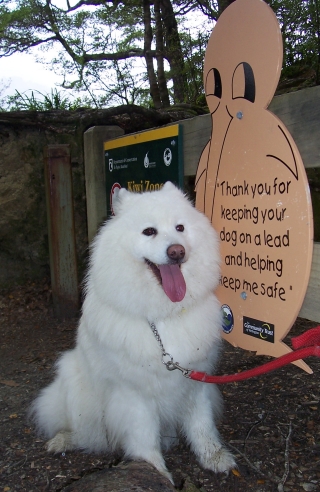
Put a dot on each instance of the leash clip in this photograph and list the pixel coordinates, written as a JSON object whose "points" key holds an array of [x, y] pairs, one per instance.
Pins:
{"points": [[171, 365]]}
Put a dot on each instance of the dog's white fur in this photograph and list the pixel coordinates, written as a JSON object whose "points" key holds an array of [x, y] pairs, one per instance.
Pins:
{"points": [[112, 390]]}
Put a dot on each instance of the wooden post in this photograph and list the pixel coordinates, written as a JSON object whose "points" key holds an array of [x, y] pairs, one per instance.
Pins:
{"points": [[61, 232], [95, 174]]}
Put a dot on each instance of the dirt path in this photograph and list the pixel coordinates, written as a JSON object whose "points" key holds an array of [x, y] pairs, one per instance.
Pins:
{"points": [[271, 423]]}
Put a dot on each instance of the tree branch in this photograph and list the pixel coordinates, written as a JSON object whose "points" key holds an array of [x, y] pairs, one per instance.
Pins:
{"points": [[23, 48], [85, 2]]}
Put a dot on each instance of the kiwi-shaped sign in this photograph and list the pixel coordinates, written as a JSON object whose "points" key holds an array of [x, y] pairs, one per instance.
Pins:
{"points": [[251, 183]]}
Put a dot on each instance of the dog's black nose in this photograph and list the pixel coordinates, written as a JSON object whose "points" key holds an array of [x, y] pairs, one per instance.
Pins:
{"points": [[176, 252]]}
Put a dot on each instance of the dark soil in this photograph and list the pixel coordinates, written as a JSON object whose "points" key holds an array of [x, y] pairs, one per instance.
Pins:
{"points": [[271, 423]]}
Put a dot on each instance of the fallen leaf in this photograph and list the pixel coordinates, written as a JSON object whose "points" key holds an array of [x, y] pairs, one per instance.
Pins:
{"points": [[19, 452], [236, 472], [9, 382]]}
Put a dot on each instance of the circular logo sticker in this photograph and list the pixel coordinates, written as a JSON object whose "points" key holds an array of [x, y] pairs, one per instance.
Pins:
{"points": [[167, 156], [227, 319]]}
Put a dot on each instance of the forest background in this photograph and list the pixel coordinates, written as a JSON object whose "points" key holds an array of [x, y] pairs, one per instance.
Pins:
{"points": [[143, 52]]}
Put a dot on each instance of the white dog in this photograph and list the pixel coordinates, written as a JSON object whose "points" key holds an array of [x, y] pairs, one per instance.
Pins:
{"points": [[155, 263]]}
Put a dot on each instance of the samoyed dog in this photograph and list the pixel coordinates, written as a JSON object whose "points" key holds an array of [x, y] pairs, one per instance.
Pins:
{"points": [[149, 290]]}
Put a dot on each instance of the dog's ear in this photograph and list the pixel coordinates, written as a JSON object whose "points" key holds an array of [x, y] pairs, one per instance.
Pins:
{"points": [[118, 199]]}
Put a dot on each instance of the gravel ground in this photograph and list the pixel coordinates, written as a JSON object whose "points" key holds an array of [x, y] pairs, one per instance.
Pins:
{"points": [[271, 423]]}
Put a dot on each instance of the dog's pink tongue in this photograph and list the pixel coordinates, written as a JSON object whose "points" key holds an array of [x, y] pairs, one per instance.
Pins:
{"points": [[173, 282]]}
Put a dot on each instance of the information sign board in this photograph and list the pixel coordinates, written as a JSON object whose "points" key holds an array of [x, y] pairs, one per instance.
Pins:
{"points": [[144, 161], [252, 184]]}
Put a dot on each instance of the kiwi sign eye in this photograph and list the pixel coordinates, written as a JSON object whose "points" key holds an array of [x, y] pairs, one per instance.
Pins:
{"points": [[180, 228], [150, 231]]}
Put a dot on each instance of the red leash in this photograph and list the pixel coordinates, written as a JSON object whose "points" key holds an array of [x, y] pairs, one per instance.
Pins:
{"points": [[305, 345]]}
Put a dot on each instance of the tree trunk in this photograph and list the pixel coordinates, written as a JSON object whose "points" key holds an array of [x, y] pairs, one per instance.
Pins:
{"points": [[164, 94], [173, 51], [154, 88]]}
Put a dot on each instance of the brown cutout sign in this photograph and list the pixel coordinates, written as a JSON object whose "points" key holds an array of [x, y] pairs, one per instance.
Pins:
{"points": [[252, 185]]}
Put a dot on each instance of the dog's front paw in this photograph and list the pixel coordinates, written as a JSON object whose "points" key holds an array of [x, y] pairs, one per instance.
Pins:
{"points": [[221, 461], [60, 443]]}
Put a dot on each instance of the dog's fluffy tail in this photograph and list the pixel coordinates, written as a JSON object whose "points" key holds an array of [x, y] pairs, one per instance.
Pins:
{"points": [[48, 410]]}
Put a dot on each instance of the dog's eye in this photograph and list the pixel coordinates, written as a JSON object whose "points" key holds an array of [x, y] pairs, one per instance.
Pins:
{"points": [[150, 231], [180, 228]]}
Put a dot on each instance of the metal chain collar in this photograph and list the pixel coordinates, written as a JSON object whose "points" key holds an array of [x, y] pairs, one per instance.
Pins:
{"points": [[170, 364]]}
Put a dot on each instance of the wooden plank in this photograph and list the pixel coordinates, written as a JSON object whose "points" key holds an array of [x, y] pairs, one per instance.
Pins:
{"points": [[196, 133], [311, 305], [299, 111]]}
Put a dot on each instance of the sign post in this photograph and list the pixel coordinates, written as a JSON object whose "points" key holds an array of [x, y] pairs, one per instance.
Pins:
{"points": [[252, 185]]}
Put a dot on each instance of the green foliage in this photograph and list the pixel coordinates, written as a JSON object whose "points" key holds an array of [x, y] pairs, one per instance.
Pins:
{"points": [[30, 102], [193, 52], [300, 27]]}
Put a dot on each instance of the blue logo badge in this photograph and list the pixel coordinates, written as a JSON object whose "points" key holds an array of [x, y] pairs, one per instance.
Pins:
{"points": [[227, 319]]}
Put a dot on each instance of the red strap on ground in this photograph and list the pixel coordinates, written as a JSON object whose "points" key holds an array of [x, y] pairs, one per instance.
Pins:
{"points": [[307, 344]]}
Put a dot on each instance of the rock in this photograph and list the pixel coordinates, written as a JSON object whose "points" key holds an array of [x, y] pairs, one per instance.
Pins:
{"points": [[125, 477], [188, 486], [309, 487]]}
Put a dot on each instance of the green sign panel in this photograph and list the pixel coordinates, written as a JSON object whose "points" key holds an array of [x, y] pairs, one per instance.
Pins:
{"points": [[144, 161]]}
